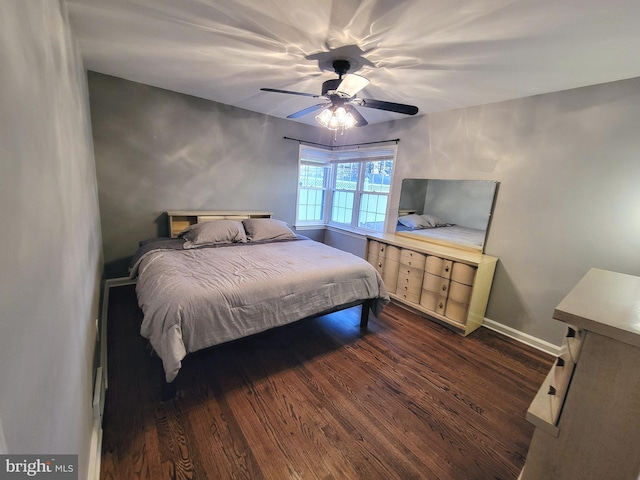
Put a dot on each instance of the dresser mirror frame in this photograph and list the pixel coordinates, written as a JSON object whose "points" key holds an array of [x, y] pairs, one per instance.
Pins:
{"points": [[465, 203]]}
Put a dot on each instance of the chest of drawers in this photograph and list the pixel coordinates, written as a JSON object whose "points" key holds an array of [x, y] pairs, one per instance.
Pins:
{"points": [[449, 285], [587, 411]]}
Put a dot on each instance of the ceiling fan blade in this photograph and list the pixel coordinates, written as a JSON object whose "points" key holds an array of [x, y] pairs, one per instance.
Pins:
{"points": [[361, 121], [352, 84], [289, 92], [308, 110], [389, 106]]}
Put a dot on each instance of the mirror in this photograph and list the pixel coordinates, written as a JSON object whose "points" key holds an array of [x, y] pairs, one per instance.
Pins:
{"points": [[450, 212]]}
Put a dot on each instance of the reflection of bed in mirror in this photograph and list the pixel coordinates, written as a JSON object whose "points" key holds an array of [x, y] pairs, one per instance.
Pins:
{"points": [[451, 212], [463, 236]]}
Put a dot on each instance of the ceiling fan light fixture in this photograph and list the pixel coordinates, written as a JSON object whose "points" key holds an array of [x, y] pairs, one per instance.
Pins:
{"points": [[335, 118]]}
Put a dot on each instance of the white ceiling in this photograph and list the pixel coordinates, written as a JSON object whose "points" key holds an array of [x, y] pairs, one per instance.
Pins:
{"points": [[435, 54]]}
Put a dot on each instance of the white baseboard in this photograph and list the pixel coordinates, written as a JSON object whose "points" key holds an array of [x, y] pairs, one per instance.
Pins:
{"points": [[101, 380], [522, 337], [95, 450]]}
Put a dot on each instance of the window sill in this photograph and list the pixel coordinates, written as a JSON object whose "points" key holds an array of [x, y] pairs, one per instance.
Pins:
{"points": [[336, 228], [350, 230], [307, 226]]}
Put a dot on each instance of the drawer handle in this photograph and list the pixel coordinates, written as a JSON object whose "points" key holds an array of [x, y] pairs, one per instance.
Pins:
{"points": [[380, 264], [552, 390], [446, 269], [444, 288], [408, 271], [560, 362], [407, 280], [406, 288], [409, 262], [441, 305], [382, 249]]}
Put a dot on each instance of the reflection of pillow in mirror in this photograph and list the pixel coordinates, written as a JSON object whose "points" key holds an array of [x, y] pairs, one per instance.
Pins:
{"points": [[267, 229], [213, 232], [432, 220], [413, 221]]}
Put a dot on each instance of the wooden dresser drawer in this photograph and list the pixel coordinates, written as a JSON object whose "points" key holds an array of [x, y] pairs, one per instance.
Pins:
{"points": [[404, 288], [436, 284], [460, 292], [390, 274], [373, 255], [392, 253], [374, 249], [463, 273], [409, 277], [412, 259], [574, 340], [433, 301], [562, 371], [378, 263], [409, 297], [438, 266], [456, 311]]}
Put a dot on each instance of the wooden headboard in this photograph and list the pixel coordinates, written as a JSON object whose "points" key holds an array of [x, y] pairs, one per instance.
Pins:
{"points": [[179, 220]]}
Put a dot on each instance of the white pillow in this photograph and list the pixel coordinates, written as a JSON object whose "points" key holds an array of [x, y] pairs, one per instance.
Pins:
{"points": [[267, 229], [413, 221], [213, 232]]}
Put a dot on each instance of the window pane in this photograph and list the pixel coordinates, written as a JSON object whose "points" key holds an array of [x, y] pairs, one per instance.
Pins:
{"points": [[378, 176], [347, 176], [342, 207], [313, 176], [313, 180], [311, 205], [373, 209]]}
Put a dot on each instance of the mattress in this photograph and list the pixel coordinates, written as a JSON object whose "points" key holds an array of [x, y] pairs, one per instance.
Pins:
{"points": [[197, 298]]}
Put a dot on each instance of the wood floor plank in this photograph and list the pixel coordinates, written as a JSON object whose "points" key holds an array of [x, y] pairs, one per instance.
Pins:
{"points": [[321, 399]]}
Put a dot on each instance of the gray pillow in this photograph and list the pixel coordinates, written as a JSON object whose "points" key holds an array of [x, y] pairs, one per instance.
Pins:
{"points": [[213, 232], [432, 220], [267, 229]]}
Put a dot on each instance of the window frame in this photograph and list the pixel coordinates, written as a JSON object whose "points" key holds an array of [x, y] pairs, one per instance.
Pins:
{"points": [[331, 159]]}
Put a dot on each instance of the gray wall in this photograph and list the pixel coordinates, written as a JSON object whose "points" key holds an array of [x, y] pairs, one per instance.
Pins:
{"points": [[568, 166], [566, 163], [158, 150], [50, 262], [568, 200]]}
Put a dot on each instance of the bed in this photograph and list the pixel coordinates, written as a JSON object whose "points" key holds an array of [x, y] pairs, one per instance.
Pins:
{"points": [[431, 228], [230, 277], [469, 237]]}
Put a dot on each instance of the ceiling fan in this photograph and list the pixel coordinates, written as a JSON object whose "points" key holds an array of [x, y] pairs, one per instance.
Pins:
{"points": [[339, 100]]}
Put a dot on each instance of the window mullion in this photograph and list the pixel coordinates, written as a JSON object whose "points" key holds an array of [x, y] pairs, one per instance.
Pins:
{"points": [[331, 192], [358, 194]]}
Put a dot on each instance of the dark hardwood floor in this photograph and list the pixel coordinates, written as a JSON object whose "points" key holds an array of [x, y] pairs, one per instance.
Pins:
{"points": [[320, 399]]}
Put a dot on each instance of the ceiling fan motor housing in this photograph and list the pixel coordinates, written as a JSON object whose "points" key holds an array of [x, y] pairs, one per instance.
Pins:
{"points": [[330, 85], [341, 67]]}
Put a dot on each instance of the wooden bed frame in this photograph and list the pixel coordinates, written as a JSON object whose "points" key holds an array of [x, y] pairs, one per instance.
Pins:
{"points": [[181, 219]]}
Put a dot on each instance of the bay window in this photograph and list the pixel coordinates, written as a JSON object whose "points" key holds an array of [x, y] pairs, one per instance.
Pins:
{"points": [[347, 189]]}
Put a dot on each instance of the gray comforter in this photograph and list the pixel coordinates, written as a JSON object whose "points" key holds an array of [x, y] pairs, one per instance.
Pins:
{"points": [[193, 299]]}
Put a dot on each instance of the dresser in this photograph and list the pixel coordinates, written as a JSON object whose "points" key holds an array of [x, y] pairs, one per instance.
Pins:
{"points": [[447, 284], [587, 412]]}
